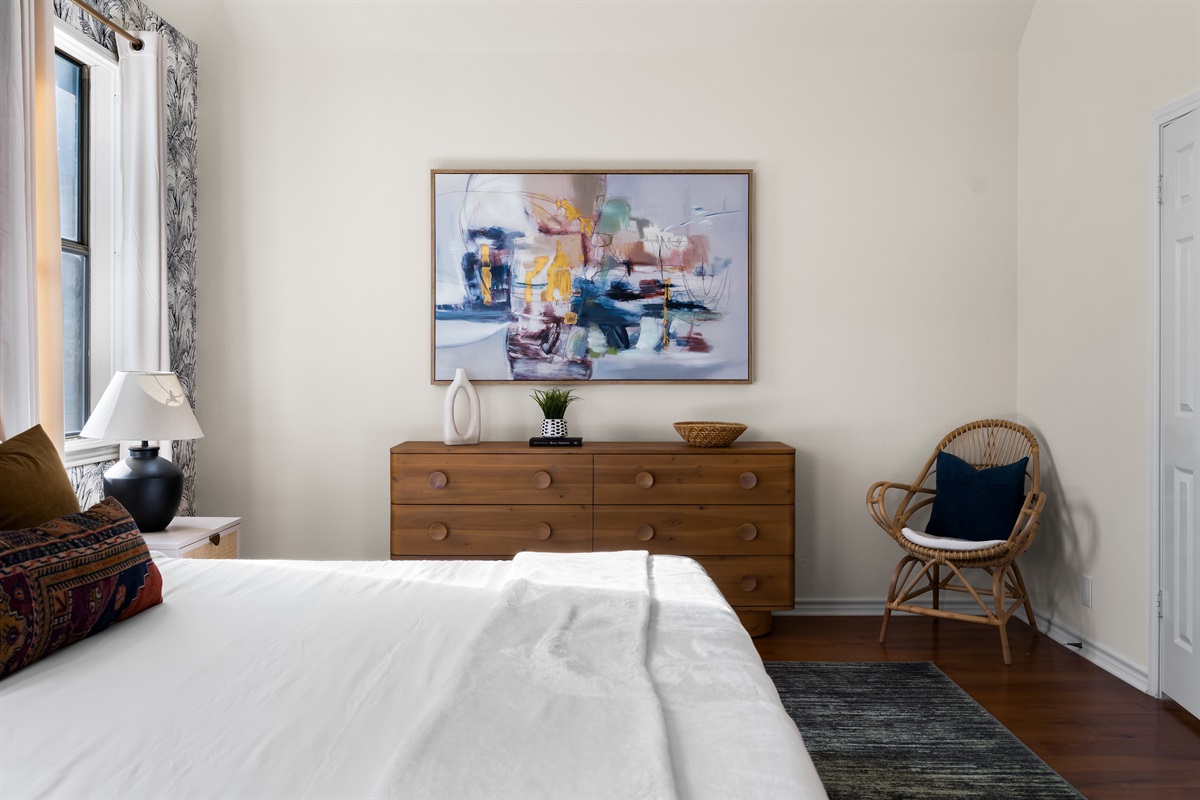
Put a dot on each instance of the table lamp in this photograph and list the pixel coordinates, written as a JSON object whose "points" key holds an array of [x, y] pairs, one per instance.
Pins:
{"points": [[144, 406]]}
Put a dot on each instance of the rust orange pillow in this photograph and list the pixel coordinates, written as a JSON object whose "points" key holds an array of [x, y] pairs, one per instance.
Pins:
{"points": [[71, 578]]}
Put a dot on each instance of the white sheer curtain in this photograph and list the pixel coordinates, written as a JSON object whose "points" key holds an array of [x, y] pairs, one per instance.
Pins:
{"points": [[31, 372], [140, 312], [31, 347]]}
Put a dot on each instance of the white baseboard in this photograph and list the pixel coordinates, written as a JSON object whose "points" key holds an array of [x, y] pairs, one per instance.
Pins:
{"points": [[821, 607], [871, 606], [1135, 675], [1116, 664]]}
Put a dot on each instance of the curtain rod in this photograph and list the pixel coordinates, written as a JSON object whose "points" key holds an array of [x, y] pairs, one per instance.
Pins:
{"points": [[117, 29]]}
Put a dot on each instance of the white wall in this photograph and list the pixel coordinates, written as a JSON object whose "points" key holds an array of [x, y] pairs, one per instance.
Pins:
{"points": [[1091, 74], [883, 137]]}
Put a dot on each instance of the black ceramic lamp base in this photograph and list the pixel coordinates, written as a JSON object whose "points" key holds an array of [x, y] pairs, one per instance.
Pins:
{"points": [[149, 487]]}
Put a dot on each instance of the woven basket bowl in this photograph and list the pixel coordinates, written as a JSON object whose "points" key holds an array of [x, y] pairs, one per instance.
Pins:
{"points": [[710, 434]]}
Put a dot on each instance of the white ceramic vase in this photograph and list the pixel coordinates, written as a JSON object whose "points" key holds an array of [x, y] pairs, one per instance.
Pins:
{"points": [[450, 432]]}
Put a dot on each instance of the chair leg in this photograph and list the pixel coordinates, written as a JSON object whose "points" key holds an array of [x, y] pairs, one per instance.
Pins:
{"points": [[937, 586], [1001, 622], [1033, 626], [887, 608]]}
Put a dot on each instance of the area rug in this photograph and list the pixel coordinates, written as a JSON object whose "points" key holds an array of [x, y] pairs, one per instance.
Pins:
{"points": [[905, 730]]}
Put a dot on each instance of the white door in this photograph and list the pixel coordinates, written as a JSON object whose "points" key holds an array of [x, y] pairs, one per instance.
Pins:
{"points": [[1179, 275]]}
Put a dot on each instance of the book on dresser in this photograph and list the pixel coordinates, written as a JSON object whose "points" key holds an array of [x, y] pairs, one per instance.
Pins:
{"points": [[560, 441], [731, 508]]}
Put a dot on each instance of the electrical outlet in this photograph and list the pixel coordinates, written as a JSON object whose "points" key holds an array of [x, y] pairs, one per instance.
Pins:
{"points": [[1085, 590]]}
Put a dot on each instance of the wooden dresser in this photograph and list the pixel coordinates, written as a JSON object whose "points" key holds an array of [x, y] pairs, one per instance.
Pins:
{"points": [[730, 508]]}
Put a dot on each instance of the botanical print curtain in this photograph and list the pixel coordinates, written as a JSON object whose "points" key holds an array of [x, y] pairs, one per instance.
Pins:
{"points": [[181, 54]]}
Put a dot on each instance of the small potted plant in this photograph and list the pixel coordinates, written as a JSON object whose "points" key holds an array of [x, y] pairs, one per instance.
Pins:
{"points": [[553, 403]]}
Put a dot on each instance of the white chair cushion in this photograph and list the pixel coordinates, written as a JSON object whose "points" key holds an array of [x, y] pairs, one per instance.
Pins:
{"points": [[946, 542]]}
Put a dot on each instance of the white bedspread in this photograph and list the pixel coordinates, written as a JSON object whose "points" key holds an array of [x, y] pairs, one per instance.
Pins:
{"points": [[556, 686], [315, 679]]}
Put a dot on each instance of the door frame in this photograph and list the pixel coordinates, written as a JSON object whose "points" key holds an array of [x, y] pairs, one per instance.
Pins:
{"points": [[1158, 119]]}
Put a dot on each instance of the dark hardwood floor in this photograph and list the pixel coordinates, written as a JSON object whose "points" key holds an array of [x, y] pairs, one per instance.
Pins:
{"points": [[1105, 737]]}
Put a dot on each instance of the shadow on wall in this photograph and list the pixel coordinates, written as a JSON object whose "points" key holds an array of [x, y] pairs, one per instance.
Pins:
{"points": [[1066, 542], [806, 521]]}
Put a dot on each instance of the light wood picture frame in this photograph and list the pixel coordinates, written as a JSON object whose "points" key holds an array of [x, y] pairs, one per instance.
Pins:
{"points": [[617, 276]]}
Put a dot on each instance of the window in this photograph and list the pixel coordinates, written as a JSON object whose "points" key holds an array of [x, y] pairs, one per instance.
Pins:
{"points": [[71, 100], [86, 81]]}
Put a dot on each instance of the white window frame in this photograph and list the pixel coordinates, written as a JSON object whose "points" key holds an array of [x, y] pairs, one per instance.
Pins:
{"points": [[104, 237]]}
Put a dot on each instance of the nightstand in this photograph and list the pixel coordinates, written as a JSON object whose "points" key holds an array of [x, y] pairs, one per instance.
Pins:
{"points": [[198, 537]]}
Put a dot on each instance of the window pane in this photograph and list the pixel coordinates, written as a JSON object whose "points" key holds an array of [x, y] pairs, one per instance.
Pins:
{"points": [[75, 345], [68, 78]]}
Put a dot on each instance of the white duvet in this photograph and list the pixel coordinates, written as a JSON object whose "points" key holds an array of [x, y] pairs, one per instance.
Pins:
{"points": [[276, 679]]}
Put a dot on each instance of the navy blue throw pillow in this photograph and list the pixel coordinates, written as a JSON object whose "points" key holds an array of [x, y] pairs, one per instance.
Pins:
{"points": [[976, 504]]}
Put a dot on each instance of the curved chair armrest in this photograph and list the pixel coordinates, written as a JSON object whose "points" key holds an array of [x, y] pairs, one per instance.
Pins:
{"points": [[876, 504], [1025, 528]]}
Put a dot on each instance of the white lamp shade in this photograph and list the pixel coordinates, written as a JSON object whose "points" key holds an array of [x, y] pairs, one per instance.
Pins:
{"points": [[143, 406]]}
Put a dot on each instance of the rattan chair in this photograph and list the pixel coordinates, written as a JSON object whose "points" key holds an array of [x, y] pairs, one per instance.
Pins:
{"points": [[986, 443]]}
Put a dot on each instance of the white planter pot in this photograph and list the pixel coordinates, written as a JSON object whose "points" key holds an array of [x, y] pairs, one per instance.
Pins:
{"points": [[554, 428]]}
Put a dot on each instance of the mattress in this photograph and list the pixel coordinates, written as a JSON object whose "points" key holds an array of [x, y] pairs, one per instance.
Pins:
{"points": [[282, 679]]}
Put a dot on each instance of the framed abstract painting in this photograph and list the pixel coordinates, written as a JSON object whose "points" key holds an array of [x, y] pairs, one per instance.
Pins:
{"points": [[629, 276]]}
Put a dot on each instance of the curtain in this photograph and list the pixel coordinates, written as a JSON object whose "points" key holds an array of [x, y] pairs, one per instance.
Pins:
{"points": [[140, 311], [31, 371]]}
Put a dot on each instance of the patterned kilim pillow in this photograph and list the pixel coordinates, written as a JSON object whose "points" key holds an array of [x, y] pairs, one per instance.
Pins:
{"points": [[70, 578]]}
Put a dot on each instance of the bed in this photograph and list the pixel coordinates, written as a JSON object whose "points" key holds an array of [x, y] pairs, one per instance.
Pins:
{"points": [[589, 675]]}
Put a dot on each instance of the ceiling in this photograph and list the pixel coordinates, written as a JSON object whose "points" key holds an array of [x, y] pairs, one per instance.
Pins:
{"points": [[608, 26]]}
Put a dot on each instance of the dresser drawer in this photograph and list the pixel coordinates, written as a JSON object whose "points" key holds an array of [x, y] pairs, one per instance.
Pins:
{"points": [[456, 531], [753, 581], [718, 479], [474, 478], [696, 530]]}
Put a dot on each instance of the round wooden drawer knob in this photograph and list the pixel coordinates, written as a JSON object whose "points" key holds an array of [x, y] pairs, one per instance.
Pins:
{"points": [[541, 531], [748, 583], [644, 480], [437, 480], [438, 531], [748, 480], [748, 531], [541, 479], [645, 532]]}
